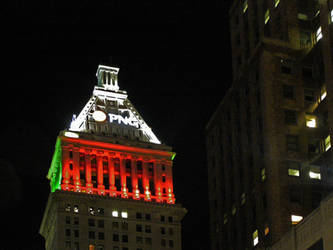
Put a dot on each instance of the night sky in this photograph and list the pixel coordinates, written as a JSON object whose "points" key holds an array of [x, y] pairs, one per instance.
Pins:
{"points": [[175, 64]]}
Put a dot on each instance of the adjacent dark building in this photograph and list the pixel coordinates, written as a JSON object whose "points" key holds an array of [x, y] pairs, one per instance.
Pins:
{"points": [[269, 155]]}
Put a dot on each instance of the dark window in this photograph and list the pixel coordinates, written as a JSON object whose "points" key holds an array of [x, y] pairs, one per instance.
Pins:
{"points": [[162, 218], [162, 230], [68, 232], [138, 215], [148, 229], [91, 222], [125, 238], [115, 237], [170, 243], [101, 235], [100, 223], [309, 95], [163, 242], [148, 217], [68, 220], [288, 92], [170, 219], [91, 235], [292, 142], [76, 233], [138, 228], [290, 117]]}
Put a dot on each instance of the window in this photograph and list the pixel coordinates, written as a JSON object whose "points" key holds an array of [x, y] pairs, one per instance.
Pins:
{"points": [[91, 222], [68, 232], [170, 231], [138, 215], [255, 238], [148, 229], [76, 220], [162, 230], [267, 17], [263, 174], [124, 215], [295, 219], [148, 217], [245, 6], [163, 242], [327, 143], [162, 218], [115, 237], [311, 121], [290, 117], [171, 243], [309, 95], [68, 220], [138, 228], [314, 173], [288, 92], [91, 235], [292, 142], [76, 209], [293, 172], [91, 210], [115, 224], [68, 208], [100, 223], [170, 219], [100, 211], [148, 241], [124, 238], [276, 3], [319, 34], [323, 95], [101, 235], [115, 213], [139, 239], [124, 226]]}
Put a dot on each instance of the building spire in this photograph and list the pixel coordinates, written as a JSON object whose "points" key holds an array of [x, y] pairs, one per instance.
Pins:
{"points": [[107, 77]]}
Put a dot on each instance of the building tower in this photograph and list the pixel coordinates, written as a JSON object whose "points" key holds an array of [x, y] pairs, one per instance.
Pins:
{"points": [[111, 179], [268, 143]]}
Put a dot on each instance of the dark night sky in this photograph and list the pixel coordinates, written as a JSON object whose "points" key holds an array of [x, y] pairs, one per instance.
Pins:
{"points": [[172, 59]]}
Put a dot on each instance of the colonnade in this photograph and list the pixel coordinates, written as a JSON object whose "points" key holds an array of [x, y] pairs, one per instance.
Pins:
{"points": [[95, 171]]}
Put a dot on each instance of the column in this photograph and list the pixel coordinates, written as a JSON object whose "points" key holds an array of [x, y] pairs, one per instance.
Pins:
{"points": [[134, 174], [76, 170], [65, 169], [157, 180], [111, 177], [145, 179], [100, 186], [169, 182], [88, 172], [124, 193]]}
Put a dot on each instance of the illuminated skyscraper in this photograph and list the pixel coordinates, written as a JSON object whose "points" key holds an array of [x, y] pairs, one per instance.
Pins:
{"points": [[269, 155], [111, 179]]}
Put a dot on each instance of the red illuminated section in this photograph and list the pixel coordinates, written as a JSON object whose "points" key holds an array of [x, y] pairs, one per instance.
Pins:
{"points": [[118, 171]]}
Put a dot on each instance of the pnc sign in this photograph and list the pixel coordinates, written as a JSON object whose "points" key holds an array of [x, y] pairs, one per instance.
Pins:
{"points": [[100, 116], [131, 121]]}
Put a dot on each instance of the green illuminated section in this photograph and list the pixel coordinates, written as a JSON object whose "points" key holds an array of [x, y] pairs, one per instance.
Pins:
{"points": [[173, 156], [55, 171]]}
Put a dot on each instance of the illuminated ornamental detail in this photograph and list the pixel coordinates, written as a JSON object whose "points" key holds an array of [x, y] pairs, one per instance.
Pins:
{"points": [[110, 112], [109, 150]]}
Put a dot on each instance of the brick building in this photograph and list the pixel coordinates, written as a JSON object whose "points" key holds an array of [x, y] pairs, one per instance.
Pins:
{"points": [[111, 179], [268, 143]]}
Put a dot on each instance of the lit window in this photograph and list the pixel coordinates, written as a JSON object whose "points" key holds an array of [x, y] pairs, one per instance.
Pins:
{"points": [[311, 121], [124, 215], [76, 209], [319, 34], [91, 210], [314, 175], [266, 230], [115, 213], [295, 219], [68, 208], [331, 15], [323, 96], [255, 238], [327, 143], [276, 3], [263, 174], [245, 6], [234, 209], [293, 172], [267, 16]]}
